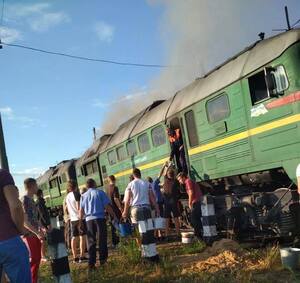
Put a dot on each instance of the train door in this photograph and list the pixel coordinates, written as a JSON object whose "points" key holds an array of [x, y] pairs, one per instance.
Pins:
{"points": [[177, 124]]}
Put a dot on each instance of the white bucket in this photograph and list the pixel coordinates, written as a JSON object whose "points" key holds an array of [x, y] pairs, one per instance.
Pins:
{"points": [[290, 257], [159, 223], [187, 237]]}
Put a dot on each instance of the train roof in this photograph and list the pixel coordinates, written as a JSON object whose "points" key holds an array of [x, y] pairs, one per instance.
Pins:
{"points": [[125, 131], [250, 59], [44, 178], [98, 145], [61, 168]]}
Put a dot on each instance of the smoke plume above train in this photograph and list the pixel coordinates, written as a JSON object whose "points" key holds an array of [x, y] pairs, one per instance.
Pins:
{"points": [[198, 35]]}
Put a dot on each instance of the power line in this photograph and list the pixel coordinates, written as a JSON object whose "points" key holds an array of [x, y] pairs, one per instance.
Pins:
{"points": [[86, 58]]}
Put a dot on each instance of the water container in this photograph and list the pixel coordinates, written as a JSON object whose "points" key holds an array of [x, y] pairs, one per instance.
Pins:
{"points": [[297, 252], [187, 237], [125, 229], [290, 257]]}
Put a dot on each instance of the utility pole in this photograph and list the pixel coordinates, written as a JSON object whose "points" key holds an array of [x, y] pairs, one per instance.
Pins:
{"points": [[287, 17], [3, 156]]}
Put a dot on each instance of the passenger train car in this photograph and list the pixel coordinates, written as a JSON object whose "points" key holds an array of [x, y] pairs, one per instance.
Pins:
{"points": [[240, 125]]}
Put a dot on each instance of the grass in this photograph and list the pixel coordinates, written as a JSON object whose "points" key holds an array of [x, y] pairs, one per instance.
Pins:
{"points": [[125, 265]]}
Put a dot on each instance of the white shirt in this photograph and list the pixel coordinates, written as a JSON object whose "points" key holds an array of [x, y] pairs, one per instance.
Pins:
{"points": [[298, 170], [72, 206], [140, 192]]}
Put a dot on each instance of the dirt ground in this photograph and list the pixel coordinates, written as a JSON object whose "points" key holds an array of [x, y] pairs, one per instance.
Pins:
{"points": [[224, 261]]}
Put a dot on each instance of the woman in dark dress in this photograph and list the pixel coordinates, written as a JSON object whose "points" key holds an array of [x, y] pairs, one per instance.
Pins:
{"points": [[113, 194]]}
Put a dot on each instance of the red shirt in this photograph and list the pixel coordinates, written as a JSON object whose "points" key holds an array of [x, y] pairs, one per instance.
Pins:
{"points": [[193, 187], [8, 229]]}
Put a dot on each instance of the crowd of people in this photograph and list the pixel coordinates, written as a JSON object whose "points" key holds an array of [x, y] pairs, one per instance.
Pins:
{"points": [[25, 222], [85, 217]]}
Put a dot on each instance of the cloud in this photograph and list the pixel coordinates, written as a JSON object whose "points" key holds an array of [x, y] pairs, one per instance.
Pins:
{"points": [[33, 172], [9, 35], [48, 20], [104, 31], [25, 122], [23, 10], [40, 16], [7, 112], [21, 174]]}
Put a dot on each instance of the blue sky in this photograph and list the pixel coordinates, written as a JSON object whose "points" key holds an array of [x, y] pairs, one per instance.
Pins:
{"points": [[50, 104]]}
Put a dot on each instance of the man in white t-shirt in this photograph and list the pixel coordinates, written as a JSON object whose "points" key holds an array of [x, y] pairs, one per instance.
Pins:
{"points": [[140, 197], [78, 228], [298, 177]]}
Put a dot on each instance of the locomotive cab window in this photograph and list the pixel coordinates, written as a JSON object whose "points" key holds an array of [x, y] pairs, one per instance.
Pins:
{"points": [[131, 148], [143, 142], [112, 157], [121, 153], [267, 83], [217, 108], [91, 168], [64, 178], [191, 128], [158, 136], [53, 183]]}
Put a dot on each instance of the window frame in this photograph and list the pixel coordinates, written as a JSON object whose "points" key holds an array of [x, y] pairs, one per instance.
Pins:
{"points": [[164, 134], [125, 151], [135, 146], [138, 142], [64, 177], [109, 160], [215, 98], [187, 128], [287, 78], [53, 181], [270, 95]]}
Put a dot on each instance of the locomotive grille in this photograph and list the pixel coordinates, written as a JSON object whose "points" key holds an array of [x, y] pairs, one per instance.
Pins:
{"points": [[286, 224]]}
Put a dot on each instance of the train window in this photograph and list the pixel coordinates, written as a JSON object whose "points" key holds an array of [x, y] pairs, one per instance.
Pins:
{"points": [[131, 148], [91, 168], [112, 157], [217, 108], [158, 136], [88, 169], [104, 169], [258, 87], [191, 128], [276, 79], [121, 153], [64, 177], [53, 183], [143, 142]]}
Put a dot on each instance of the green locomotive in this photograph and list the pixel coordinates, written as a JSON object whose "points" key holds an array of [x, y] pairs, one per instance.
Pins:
{"points": [[241, 130]]}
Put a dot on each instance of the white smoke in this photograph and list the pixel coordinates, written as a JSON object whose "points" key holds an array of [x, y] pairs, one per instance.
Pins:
{"points": [[199, 35]]}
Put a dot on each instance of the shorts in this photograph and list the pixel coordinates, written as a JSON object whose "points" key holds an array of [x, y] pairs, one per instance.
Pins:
{"points": [[171, 208], [75, 228], [140, 214]]}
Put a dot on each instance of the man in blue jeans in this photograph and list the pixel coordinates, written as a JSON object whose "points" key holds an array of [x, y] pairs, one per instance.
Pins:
{"points": [[93, 205], [14, 256]]}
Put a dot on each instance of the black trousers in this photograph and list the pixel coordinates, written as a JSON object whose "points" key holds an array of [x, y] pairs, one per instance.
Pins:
{"points": [[114, 237], [97, 227], [196, 215]]}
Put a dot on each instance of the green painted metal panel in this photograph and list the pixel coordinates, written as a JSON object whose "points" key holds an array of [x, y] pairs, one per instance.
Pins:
{"points": [[140, 160], [272, 148]]}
